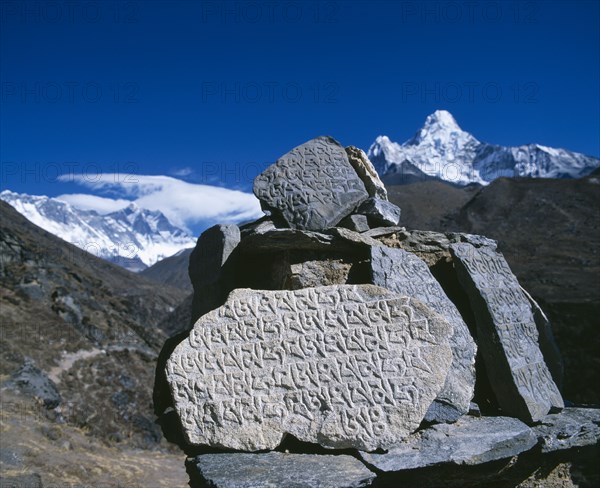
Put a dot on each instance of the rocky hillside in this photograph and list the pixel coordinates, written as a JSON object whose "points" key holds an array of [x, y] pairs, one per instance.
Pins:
{"points": [[172, 271], [79, 342], [549, 231]]}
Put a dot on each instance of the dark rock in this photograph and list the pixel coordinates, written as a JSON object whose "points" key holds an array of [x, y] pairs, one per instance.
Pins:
{"points": [[34, 382], [380, 212], [406, 274], [507, 334], [207, 267], [469, 441], [367, 172], [312, 187], [317, 273], [276, 469], [573, 427], [355, 222]]}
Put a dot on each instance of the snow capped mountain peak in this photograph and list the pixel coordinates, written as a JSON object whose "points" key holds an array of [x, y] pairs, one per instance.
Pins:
{"points": [[442, 150], [133, 237]]}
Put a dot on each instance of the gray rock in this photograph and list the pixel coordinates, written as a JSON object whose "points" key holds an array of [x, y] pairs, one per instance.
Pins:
{"points": [[207, 267], [342, 366], [33, 480], [355, 222], [384, 231], [548, 345], [367, 172], [425, 241], [380, 212], [406, 274], [573, 427], [470, 441], [34, 382], [312, 187], [317, 273], [276, 469], [507, 334]]}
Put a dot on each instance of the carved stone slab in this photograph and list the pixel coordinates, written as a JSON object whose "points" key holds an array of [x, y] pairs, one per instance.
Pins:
{"points": [[313, 186], [406, 274], [507, 334], [342, 366]]}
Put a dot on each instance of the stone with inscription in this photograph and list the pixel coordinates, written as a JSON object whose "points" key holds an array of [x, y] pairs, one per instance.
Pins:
{"points": [[278, 469], [367, 172], [380, 212], [406, 274], [312, 187], [507, 334], [469, 441], [343, 366]]}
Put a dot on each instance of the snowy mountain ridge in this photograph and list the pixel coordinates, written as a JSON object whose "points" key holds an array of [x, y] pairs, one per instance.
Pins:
{"points": [[442, 150], [133, 237]]}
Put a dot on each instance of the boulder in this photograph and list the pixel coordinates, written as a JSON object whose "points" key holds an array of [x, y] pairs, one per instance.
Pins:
{"points": [[342, 366], [573, 427], [355, 222], [277, 469], [312, 187], [507, 334]]}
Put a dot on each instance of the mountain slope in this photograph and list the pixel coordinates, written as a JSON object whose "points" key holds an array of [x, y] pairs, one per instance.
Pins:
{"points": [[442, 150], [132, 237], [87, 326], [172, 271]]}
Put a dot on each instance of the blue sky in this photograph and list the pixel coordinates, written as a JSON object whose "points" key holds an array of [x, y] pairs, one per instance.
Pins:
{"points": [[211, 92]]}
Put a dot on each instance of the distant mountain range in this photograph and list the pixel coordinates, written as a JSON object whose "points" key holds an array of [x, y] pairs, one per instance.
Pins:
{"points": [[133, 237], [442, 150]]}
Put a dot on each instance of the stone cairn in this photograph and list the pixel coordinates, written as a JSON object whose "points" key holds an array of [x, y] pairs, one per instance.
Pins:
{"points": [[328, 323]]}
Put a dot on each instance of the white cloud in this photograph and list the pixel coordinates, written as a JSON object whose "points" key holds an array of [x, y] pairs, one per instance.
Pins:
{"points": [[182, 172], [184, 204], [102, 205]]}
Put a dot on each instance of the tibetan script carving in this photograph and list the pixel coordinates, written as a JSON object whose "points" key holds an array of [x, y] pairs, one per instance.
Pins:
{"points": [[313, 186], [508, 336], [342, 365], [407, 274]]}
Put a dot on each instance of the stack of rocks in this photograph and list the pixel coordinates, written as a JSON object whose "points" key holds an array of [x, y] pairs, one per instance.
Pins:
{"points": [[329, 325]]}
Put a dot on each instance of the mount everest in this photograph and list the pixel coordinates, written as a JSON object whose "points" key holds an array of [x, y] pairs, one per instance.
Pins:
{"points": [[442, 150], [133, 237]]}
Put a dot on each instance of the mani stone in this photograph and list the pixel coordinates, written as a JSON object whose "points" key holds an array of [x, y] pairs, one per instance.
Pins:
{"points": [[207, 266], [367, 172], [380, 212], [277, 469], [343, 366], [406, 274], [312, 187], [507, 334], [471, 440], [573, 427]]}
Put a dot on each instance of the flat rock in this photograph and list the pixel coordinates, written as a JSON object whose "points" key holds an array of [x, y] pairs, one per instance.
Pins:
{"points": [[471, 440], [507, 334], [342, 366], [312, 187], [34, 382], [380, 212], [573, 427], [406, 274], [276, 469], [367, 172]]}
